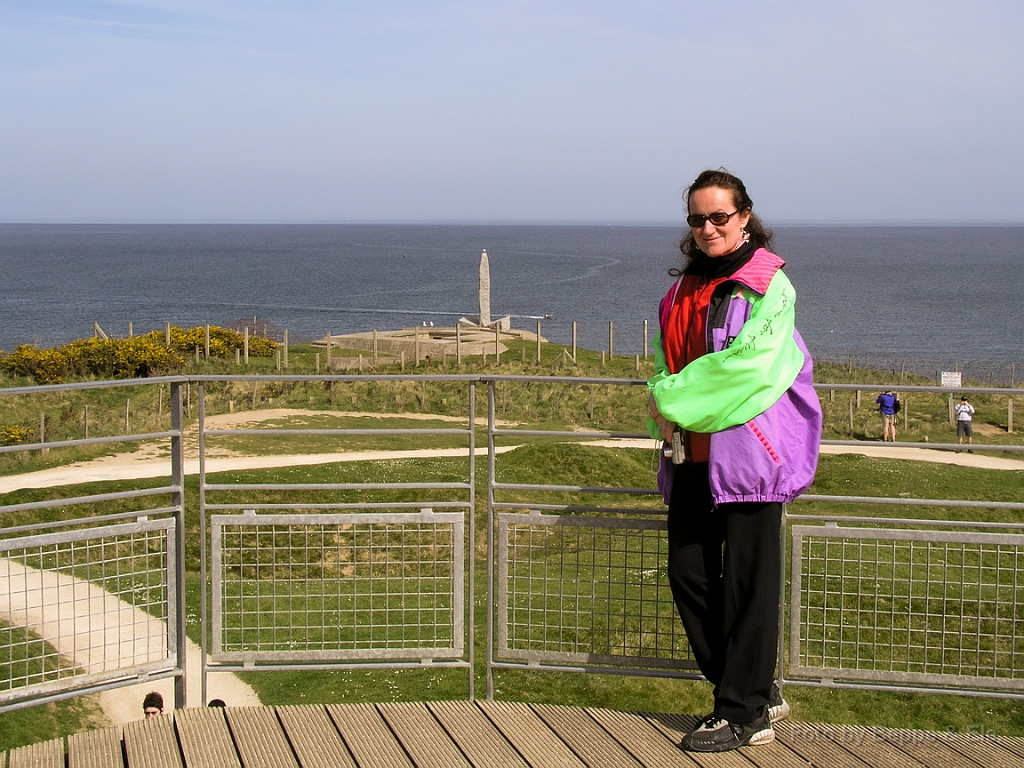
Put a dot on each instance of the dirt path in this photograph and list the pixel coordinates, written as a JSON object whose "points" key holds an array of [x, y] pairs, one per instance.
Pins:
{"points": [[99, 634]]}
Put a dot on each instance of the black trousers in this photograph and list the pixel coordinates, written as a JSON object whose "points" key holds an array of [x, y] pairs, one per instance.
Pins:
{"points": [[723, 566]]}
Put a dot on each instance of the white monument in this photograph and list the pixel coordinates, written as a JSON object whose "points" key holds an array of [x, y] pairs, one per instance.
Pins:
{"points": [[485, 290]]}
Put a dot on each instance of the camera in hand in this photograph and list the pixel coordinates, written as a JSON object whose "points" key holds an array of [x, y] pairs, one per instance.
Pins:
{"points": [[675, 450]]}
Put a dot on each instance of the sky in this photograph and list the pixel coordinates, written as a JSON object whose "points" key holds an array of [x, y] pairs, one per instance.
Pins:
{"points": [[894, 111]]}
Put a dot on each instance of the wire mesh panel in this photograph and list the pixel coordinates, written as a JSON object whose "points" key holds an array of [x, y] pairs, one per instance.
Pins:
{"points": [[586, 590], [85, 607], [319, 587], [908, 606]]}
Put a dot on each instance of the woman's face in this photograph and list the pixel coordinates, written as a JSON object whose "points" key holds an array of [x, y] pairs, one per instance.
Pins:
{"points": [[717, 240]]}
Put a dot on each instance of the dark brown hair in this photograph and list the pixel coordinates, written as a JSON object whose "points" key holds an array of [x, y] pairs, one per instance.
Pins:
{"points": [[722, 179]]}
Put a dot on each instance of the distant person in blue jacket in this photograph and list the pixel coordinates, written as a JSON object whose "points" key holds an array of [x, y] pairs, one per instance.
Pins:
{"points": [[887, 407]]}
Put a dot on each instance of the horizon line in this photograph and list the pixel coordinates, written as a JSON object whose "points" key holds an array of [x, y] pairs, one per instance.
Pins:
{"points": [[504, 223]]}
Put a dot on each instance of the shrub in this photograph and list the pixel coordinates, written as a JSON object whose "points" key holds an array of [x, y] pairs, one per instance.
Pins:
{"points": [[133, 358], [46, 366], [223, 341], [15, 435]]}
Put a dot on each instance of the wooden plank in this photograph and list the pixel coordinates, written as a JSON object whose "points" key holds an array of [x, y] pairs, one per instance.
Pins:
{"points": [[815, 745], [865, 744], [926, 747], [151, 743], [647, 743], [96, 749], [422, 736], [475, 735], [774, 755], [45, 754], [982, 749], [314, 738], [367, 736], [259, 738], [205, 738], [1010, 744], [529, 735], [591, 743]]}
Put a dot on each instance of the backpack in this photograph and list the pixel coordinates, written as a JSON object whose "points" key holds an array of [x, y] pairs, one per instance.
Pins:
{"points": [[897, 406]]}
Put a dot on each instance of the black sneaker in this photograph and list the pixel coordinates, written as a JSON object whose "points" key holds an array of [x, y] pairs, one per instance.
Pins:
{"points": [[713, 734], [778, 707]]}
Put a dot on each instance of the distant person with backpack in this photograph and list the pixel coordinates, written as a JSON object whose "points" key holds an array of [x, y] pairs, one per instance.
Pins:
{"points": [[888, 406], [964, 412]]}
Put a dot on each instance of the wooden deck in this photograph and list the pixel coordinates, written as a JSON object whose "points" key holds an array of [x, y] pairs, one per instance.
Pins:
{"points": [[487, 735]]}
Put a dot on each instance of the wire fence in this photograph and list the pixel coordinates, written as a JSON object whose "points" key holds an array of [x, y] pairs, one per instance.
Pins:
{"points": [[380, 572]]}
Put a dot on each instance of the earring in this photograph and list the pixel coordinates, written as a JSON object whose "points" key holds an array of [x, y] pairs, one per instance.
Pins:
{"points": [[746, 235]]}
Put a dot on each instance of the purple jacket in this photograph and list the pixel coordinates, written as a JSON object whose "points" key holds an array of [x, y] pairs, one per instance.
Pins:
{"points": [[773, 456]]}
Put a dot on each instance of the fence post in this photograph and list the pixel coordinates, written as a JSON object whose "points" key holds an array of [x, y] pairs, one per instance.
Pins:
{"points": [[42, 433], [458, 344], [1009, 414], [574, 341], [284, 346], [375, 346], [851, 418], [178, 502], [416, 344], [167, 333], [538, 342], [328, 358], [611, 339], [206, 342], [497, 347], [645, 339], [245, 345]]}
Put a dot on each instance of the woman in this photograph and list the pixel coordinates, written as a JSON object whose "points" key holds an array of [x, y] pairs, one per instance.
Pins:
{"points": [[733, 376]]}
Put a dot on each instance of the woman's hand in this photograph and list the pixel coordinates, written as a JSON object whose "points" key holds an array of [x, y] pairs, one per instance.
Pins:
{"points": [[667, 427]]}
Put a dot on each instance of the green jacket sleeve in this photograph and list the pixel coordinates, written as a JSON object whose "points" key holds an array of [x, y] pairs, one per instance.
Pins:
{"points": [[730, 387]]}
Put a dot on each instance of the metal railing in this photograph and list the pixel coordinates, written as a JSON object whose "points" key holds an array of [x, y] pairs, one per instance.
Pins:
{"points": [[374, 572], [93, 585]]}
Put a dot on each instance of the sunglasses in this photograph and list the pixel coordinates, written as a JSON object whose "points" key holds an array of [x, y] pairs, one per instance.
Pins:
{"points": [[718, 218]]}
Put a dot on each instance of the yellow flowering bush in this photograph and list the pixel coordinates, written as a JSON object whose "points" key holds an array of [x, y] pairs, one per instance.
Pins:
{"points": [[15, 435], [132, 358], [46, 366], [223, 341]]}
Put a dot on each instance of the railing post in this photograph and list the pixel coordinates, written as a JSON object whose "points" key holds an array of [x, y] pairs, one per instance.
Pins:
{"points": [[490, 536], [203, 574], [781, 651], [471, 656], [178, 566]]}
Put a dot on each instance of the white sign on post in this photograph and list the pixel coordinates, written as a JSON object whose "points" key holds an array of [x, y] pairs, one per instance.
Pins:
{"points": [[951, 379]]}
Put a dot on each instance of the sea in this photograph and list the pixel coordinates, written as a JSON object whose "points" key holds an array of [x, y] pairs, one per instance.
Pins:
{"points": [[910, 297]]}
